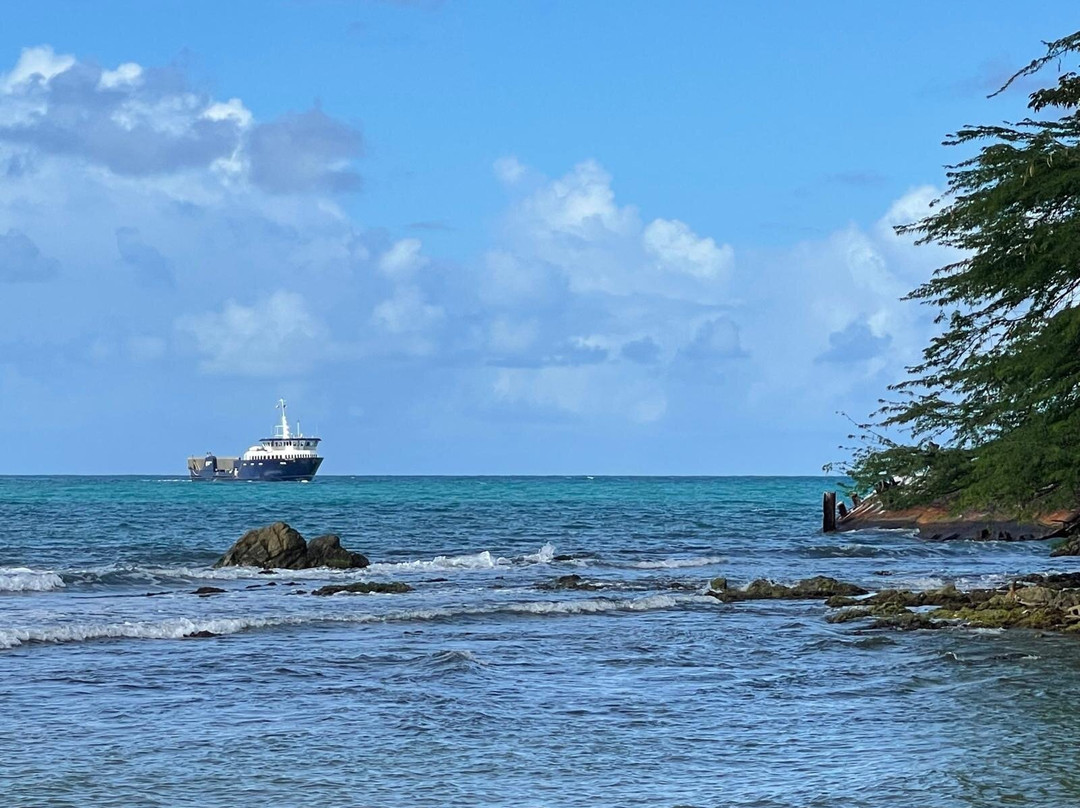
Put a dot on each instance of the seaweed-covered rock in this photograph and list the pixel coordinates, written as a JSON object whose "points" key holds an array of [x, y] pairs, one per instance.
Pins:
{"points": [[822, 586], [364, 588], [819, 587], [906, 620], [1047, 603], [280, 546]]}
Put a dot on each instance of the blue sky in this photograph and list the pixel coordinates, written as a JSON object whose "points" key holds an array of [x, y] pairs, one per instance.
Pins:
{"points": [[488, 237]]}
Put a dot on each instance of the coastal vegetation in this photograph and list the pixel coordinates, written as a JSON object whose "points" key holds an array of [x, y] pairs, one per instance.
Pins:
{"points": [[991, 413]]}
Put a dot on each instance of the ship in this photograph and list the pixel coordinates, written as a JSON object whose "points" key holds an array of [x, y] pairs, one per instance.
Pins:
{"points": [[287, 455]]}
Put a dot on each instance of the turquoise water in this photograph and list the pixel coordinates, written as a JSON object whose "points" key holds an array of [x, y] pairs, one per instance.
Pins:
{"points": [[483, 687]]}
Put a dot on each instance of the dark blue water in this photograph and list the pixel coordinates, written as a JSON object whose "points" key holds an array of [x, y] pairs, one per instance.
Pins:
{"points": [[482, 687]]}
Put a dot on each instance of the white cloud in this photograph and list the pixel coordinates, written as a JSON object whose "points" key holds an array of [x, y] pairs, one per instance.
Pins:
{"points": [[402, 259], [276, 336], [580, 203], [677, 248], [129, 73], [407, 312], [574, 226], [508, 170], [231, 110], [40, 63], [588, 392]]}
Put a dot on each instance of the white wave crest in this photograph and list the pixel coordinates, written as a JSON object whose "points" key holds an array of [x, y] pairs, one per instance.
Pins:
{"points": [[23, 579], [544, 555], [473, 561], [132, 573], [678, 563], [171, 629], [180, 627]]}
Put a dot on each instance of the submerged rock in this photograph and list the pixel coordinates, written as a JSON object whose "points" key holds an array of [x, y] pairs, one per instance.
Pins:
{"points": [[203, 591], [364, 588], [279, 546], [569, 582]]}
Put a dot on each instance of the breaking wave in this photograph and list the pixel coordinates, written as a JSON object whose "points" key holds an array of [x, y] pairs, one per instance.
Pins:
{"points": [[181, 627], [471, 561], [23, 579], [127, 574]]}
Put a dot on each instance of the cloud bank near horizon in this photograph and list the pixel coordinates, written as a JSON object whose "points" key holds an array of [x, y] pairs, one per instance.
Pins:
{"points": [[151, 230]]}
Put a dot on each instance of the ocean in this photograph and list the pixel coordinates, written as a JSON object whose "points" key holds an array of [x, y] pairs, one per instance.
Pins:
{"points": [[484, 686]]}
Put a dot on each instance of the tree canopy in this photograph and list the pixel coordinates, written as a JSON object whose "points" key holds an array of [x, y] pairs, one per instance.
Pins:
{"points": [[993, 408]]}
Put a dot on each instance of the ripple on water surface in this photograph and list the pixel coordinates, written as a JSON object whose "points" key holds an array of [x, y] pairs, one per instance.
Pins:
{"points": [[490, 683]]}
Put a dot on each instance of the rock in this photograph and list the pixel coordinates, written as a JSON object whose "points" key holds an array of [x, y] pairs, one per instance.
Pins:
{"points": [[326, 551], [907, 621], [267, 572], [822, 586], [364, 588], [884, 610], [201, 634], [279, 546], [764, 589], [203, 591], [569, 582], [844, 615], [1069, 547], [276, 545], [1050, 602]]}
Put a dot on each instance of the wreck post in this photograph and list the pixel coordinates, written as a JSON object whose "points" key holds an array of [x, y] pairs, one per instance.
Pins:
{"points": [[828, 512]]}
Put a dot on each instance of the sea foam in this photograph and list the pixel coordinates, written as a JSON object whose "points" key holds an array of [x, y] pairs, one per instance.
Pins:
{"points": [[181, 627]]}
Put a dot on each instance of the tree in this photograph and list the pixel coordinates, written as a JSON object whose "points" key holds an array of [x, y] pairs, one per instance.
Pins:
{"points": [[993, 408]]}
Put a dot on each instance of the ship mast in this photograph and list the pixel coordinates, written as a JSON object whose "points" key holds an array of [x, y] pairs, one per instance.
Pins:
{"points": [[284, 421]]}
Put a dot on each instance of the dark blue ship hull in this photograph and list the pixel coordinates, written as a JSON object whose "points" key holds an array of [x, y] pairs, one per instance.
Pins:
{"points": [[297, 469], [302, 469]]}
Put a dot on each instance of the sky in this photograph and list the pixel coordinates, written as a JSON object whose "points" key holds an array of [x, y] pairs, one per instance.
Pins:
{"points": [[475, 237]]}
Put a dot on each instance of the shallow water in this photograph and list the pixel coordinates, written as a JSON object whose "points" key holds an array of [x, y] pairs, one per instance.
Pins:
{"points": [[483, 688]]}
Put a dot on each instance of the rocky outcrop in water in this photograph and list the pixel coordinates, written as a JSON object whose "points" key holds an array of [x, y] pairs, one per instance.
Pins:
{"points": [[572, 581], [1069, 547], [817, 588], [365, 588], [1047, 602], [278, 546]]}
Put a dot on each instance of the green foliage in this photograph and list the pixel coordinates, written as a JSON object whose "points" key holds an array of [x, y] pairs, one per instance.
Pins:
{"points": [[999, 388]]}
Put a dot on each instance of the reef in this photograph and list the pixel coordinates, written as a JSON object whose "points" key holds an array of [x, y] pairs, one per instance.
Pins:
{"points": [[817, 588], [1043, 602]]}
